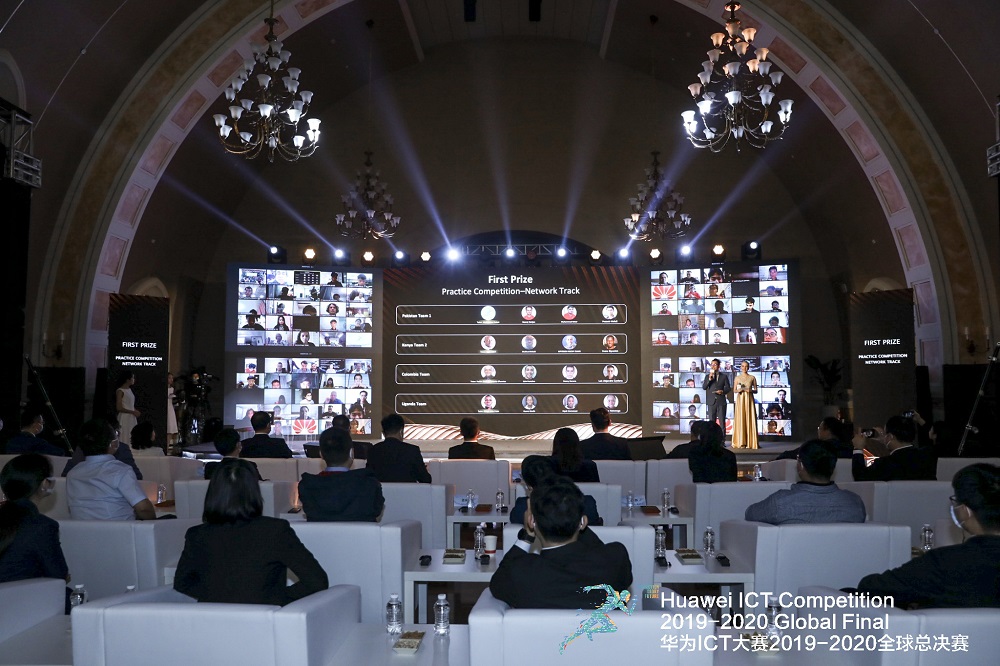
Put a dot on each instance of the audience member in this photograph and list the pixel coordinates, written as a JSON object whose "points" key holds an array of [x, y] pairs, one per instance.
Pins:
{"points": [[568, 460], [340, 493], [815, 498], [831, 430], [569, 558], [239, 556], [122, 454], [393, 460], [470, 448], [227, 443], [537, 471], [361, 449], [262, 445], [28, 440], [144, 440], [602, 445], [100, 487], [29, 541], [960, 576], [684, 450], [904, 462], [709, 460]]}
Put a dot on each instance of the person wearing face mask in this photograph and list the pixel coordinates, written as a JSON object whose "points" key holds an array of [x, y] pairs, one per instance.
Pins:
{"points": [[29, 541], [29, 440], [961, 576]]}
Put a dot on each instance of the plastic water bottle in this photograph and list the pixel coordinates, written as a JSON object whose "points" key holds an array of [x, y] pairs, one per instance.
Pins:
{"points": [[500, 500], [709, 540], [665, 501], [394, 615], [758, 472], [470, 499], [629, 500], [660, 549], [77, 596], [479, 540], [442, 615], [130, 588], [926, 538], [161, 493]]}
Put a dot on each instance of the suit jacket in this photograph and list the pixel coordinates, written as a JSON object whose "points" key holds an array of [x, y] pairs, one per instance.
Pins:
{"points": [[553, 578], [961, 576], [904, 464], [720, 383], [27, 443], [247, 563], [471, 451], [395, 461], [265, 446], [682, 450], [341, 496], [35, 551], [808, 503], [602, 446], [706, 467], [213, 465]]}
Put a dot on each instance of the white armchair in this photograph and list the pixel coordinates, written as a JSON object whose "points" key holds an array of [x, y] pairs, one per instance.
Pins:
{"points": [[162, 626], [786, 557], [502, 636], [32, 622], [189, 497]]}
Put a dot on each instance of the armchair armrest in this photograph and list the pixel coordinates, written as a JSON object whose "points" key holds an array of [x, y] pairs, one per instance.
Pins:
{"points": [[312, 629]]}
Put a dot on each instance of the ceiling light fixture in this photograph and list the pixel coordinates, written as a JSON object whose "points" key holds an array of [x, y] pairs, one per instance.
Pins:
{"points": [[734, 92], [268, 120], [656, 208], [368, 204]]}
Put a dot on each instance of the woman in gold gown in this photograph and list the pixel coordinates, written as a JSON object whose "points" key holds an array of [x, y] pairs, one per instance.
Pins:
{"points": [[745, 422]]}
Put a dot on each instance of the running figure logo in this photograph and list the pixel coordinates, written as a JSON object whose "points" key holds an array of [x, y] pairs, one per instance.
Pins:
{"points": [[599, 622]]}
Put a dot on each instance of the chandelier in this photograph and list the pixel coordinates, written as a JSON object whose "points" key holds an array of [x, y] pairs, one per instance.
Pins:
{"points": [[368, 204], [734, 92], [656, 208], [268, 120]]}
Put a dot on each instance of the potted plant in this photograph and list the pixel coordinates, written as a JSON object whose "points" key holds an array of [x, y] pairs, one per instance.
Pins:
{"points": [[828, 375]]}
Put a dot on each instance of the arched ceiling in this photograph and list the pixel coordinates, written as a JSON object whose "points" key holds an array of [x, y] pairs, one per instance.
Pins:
{"points": [[76, 97]]}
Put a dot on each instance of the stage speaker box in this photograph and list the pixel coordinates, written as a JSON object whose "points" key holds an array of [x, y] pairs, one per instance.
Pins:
{"points": [[65, 388], [961, 386]]}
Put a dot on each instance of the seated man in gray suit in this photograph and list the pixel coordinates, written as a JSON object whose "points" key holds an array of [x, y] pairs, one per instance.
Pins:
{"points": [[815, 498]]}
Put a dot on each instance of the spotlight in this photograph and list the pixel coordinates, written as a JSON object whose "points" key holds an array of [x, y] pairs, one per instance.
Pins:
{"points": [[341, 257], [425, 256], [510, 255], [561, 252], [561, 257], [277, 255], [656, 257], [750, 251], [623, 257], [400, 258], [309, 257], [718, 254], [452, 254], [684, 255], [595, 257]]}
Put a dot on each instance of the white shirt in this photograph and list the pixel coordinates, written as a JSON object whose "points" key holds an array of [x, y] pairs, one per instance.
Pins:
{"points": [[102, 488]]}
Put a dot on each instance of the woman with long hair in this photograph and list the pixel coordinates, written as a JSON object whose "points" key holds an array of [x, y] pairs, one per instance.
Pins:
{"points": [[29, 541], [237, 555], [568, 460], [281, 325], [709, 460], [128, 415]]}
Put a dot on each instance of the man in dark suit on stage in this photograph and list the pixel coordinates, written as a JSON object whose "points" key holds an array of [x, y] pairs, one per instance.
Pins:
{"points": [[716, 386], [262, 445], [470, 448], [602, 445], [905, 462], [569, 556], [340, 493], [393, 460]]}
